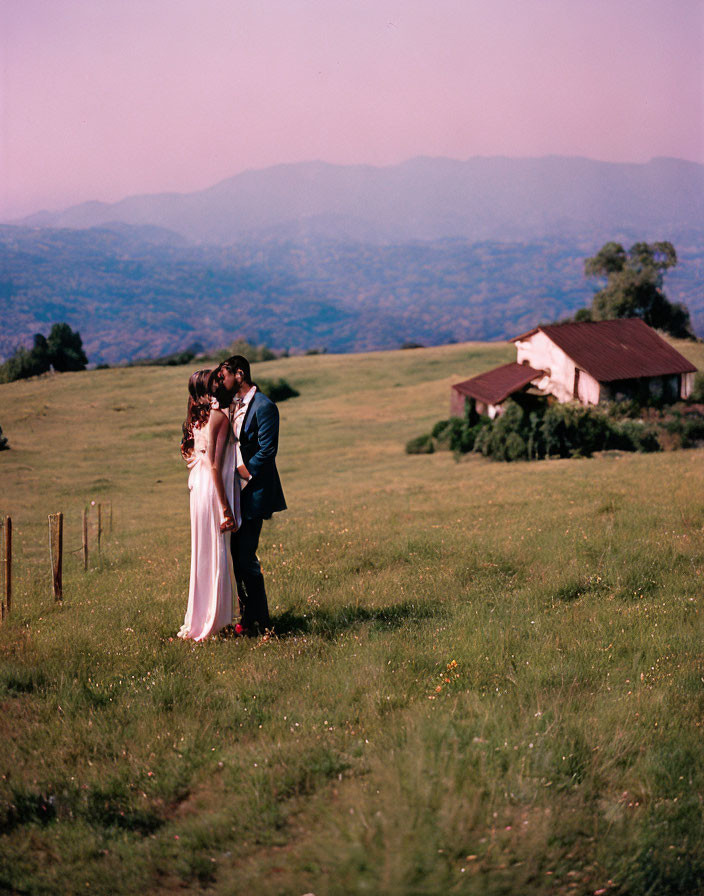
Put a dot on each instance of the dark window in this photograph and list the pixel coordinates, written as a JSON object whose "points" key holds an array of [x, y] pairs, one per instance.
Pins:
{"points": [[575, 390]]}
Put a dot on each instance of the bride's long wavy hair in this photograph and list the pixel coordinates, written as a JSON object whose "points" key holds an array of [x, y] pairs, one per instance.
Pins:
{"points": [[198, 409]]}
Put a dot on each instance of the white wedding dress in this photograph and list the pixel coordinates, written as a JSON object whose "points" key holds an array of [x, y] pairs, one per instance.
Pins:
{"points": [[211, 589]]}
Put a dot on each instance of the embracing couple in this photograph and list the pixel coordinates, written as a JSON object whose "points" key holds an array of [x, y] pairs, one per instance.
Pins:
{"points": [[230, 439]]}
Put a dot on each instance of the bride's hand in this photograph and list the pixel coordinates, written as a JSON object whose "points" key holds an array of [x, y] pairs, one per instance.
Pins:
{"points": [[228, 523]]}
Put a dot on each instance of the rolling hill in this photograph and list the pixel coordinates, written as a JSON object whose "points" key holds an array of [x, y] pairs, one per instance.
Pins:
{"points": [[344, 258], [484, 678]]}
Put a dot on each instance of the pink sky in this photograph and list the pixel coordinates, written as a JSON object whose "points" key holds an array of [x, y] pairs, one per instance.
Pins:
{"points": [[100, 99]]}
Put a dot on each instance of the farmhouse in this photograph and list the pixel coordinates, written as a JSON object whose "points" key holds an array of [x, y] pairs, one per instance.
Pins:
{"points": [[589, 362]]}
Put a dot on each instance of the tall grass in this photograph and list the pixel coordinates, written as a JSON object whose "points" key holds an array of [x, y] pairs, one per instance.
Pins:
{"points": [[484, 678]]}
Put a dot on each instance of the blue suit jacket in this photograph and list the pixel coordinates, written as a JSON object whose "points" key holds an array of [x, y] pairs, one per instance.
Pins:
{"points": [[259, 442]]}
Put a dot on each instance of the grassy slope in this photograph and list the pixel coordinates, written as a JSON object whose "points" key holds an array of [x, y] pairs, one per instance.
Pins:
{"points": [[486, 678]]}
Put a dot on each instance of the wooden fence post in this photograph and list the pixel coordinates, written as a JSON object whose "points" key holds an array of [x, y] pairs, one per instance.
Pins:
{"points": [[84, 543], [56, 552], [7, 597], [100, 525]]}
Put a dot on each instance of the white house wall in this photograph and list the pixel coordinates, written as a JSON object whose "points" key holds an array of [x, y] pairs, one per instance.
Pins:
{"points": [[589, 388], [686, 385], [458, 403], [542, 354]]}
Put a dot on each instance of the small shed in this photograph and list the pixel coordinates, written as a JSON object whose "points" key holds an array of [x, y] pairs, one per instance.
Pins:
{"points": [[593, 361], [585, 361], [490, 389]]}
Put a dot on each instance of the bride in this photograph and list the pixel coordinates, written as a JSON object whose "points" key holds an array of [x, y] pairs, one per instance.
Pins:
{"points": [[208, 447]]}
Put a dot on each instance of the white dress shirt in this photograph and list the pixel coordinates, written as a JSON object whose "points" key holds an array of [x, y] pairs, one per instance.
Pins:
{"points": [[240, 412]]}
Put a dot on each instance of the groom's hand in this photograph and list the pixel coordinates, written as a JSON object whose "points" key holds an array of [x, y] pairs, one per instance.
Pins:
{"points": [[244, 474]]}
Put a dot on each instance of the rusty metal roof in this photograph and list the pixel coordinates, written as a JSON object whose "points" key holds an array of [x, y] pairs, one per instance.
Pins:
{"points": [[495, 385], [615, 349]]}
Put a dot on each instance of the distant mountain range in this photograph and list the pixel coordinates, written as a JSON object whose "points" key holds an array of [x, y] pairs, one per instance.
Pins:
{"points": [[345, 257], [423, 199]]}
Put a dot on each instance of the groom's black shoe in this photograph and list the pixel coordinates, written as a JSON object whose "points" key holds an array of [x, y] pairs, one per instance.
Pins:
{"points": [[256, 610]]}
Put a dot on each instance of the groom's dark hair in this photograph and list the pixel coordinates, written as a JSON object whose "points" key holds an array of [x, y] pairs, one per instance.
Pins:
{"points": [[238, 362]]}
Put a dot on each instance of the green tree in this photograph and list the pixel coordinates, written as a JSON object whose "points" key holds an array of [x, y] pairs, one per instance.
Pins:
{"points": [[65, 348], [39, 355], [26, 362], [634, 286]]}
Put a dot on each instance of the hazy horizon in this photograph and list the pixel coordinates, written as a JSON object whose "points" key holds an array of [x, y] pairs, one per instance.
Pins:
{"points": [[14, 218], [109, 100]]}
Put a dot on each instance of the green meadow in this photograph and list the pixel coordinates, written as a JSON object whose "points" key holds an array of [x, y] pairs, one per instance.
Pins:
{"points": [[484, 678]]}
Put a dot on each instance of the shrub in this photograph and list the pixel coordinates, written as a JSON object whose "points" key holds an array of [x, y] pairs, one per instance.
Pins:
{"points": [[277, 390], [515, 448], [694, 428], [562, 430], [571, 430], [698, 389], [634, 435], [682, 427], [4, 444], [483, 441], [456, 434], [505, 438], [420, 445], [463, 440], [442, 428], [513, 422], [447, 433], [628, 407], [535, 445], [531, 428]]}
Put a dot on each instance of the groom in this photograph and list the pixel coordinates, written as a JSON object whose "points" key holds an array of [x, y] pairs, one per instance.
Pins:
{"points": [[255, 420]]}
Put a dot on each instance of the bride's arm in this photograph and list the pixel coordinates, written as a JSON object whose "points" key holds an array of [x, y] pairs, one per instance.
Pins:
{"points": [[217, 443]]}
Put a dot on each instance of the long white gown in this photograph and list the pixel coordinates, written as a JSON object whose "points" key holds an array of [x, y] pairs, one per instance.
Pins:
{"points": [[211, 589]]}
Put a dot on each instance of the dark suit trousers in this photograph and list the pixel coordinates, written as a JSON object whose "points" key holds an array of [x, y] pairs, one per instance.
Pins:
{"points": [[251, 593]]}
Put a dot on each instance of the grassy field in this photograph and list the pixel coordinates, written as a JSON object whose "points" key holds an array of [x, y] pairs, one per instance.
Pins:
{"points": [[486, 678]]}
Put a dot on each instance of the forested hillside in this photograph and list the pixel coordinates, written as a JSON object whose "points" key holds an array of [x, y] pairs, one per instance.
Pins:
{"points": [[145, 292], [345, 258]]}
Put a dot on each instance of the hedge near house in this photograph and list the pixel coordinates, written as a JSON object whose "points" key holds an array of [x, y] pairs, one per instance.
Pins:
{"points": [[548, 429]]}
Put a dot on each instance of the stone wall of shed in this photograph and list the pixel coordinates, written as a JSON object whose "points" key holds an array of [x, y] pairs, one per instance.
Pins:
{"points": [[457, 403]]}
